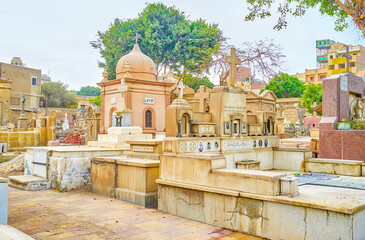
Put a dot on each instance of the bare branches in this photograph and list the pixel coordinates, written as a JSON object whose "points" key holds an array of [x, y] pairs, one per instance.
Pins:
{"points": [[264, 57]]}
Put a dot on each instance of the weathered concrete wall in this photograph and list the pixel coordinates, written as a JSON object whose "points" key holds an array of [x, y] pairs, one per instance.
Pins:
{"points": [[69, 167], [272, 220], [103, 177]]}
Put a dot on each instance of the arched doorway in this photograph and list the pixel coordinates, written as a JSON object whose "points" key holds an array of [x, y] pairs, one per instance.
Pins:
{"points": [[185, 124]]}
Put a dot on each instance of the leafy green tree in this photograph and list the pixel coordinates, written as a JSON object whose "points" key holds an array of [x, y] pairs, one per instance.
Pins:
{"points": [[342, 10], [285, 86], [56, 95], [166, 35], [312, 93], [194, 82], [89, 91], [95, 101]]}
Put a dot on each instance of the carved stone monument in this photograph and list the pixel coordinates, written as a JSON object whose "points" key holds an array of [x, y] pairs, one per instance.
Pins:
{"points": [[23, 120], [343, 100]]}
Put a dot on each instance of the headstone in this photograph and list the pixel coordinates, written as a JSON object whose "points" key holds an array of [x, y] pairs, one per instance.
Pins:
{"points": [[23, 120], [65, 125], [202, 95]]}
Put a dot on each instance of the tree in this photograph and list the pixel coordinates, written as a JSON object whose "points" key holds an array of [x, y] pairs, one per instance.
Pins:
{"points": [[342, 10], [56, 95], [89, 91], [194, 82], [96, 101], [264, 57], [166, 35], [312, 93], [285, 86]]}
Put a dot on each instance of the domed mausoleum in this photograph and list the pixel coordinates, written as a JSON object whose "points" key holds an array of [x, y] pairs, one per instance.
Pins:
{"points": [[136, 65], [136, 95]]}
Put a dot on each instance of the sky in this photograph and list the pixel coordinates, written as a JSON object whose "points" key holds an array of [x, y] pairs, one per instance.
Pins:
{"points": [[54, 36]]}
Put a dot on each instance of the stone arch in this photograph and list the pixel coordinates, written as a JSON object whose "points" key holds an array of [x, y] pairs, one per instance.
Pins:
{"points": [[149, 118], [270, 129], [112, 119]]}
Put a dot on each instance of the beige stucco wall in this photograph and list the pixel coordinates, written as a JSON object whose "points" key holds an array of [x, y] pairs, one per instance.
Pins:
{"points": [[21, 78]]}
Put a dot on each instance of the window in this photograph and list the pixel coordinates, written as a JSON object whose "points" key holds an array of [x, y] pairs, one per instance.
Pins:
{"points": [[34, 81], [148, 119], [354, 54], [331, 67], [247, 87], [322, 77], [331, 57], [342, 65], [352, 64]]}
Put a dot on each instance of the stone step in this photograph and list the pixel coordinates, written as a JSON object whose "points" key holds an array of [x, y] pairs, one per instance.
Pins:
{"points": [[29, 182], [8, 233], [104, 144], [125, 130]]}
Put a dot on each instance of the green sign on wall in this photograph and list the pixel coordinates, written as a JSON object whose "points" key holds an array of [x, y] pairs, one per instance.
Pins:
{"points": [[324, 43]]}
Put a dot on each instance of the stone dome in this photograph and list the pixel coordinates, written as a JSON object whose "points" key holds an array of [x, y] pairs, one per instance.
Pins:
{"points": [[16, 61], [136, 65]]}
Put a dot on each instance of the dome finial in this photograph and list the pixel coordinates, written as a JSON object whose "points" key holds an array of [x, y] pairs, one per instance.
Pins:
{"points": [[137, 37]]}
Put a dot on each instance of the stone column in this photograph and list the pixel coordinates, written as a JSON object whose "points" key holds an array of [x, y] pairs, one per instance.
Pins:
{"points": [[179, 129], [265, 126], [273, 128], [191, 128], [102, 113]]}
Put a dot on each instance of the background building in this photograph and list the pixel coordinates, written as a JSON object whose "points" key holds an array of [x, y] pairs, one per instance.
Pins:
{"points": [[337, 62], [330, 61], [16, 81], [45, 78]]}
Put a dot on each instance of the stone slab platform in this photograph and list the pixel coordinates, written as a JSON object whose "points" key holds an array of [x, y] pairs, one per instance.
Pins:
{"points": [[9, 233], [29, 182]]}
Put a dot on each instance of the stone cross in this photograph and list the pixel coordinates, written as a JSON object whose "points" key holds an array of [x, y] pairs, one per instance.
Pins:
{"points": [[202, 95], [181, 87], [23, 104], [233, 61], [348, 57], [137, 37]]}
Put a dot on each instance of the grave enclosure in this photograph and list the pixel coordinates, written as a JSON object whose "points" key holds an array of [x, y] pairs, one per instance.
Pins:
{"points": [[220, 163]]}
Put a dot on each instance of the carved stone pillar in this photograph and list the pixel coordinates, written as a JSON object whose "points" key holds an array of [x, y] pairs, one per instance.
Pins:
{"points": [[273, 128], [265, 126], [191, 128], [179, 129]]}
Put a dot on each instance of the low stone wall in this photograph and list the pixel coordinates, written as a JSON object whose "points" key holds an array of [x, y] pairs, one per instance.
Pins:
{"points": [[128, 179], [269, 217], [20, 139], [334, 166], [291, 159], [66, 168], [342, 144]]}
